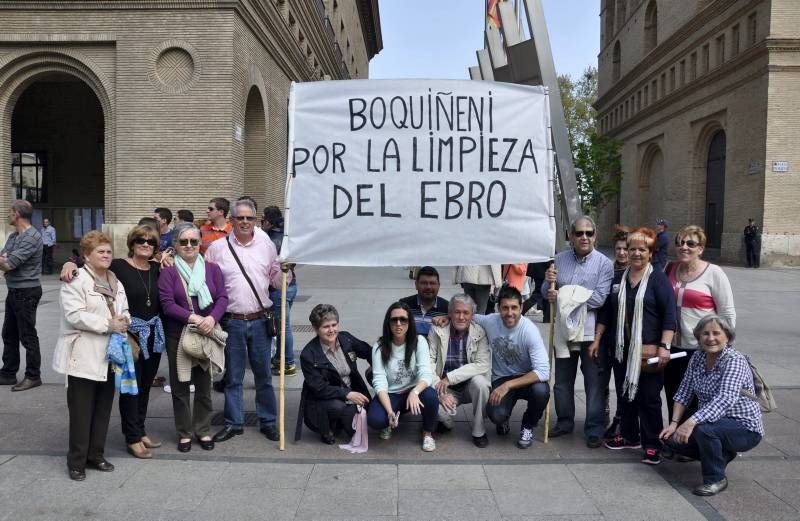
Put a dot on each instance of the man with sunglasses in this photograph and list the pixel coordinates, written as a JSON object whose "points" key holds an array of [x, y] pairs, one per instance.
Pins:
{"points": [[584, 266], [249, 263]]}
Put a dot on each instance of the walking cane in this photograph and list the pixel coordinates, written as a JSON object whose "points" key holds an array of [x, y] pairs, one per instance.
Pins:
{"points": [[282, 399], [551, 361]]}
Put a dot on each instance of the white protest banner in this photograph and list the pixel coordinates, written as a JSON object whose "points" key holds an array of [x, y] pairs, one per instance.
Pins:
{"points": [[417, 172]]}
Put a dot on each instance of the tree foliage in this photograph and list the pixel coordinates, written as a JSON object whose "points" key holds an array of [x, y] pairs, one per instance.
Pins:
{"points": [[596, 157]]}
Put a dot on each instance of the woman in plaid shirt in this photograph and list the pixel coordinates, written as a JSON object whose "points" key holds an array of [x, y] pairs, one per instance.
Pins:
{"points": [[726, 421]]}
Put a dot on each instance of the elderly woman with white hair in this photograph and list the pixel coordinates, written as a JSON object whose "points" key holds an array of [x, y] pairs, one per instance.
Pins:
{"points": [[728, 419]]}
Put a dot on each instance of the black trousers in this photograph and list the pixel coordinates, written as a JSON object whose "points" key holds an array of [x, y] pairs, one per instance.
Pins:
{"points": [[641, 418], [47, 260], [325, 416], [20, 326], [673, 376], [89, 403], [133, 409], [537, 396]]}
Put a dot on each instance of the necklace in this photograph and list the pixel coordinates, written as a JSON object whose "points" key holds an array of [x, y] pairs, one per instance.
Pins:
{"points": [[146, 286]]}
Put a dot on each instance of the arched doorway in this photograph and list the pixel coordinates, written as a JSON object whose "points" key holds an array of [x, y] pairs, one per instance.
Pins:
{"points": [[715, 190], [58, 155], [255, 147], [651, 182]]}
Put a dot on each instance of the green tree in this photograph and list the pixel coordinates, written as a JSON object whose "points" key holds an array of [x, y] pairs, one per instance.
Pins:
{"points": [[596, 157]]}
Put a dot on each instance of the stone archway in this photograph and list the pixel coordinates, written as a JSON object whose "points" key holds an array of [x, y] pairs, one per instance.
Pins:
{"points": [[650, 193], [255, 147], [715, 190]]}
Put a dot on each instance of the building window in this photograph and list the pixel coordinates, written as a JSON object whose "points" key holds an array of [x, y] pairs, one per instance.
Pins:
{"points": [[27, 177], [672, 78], [735, 41], [693, 67], [639, 100], [752, 26], [622, 12], [646, 95], [706, 58], [626, 109], [616, 62], [654, 90], [651, 26], [633, 105], [720, 49], [663, 84], [609, 24], [682, 73]]}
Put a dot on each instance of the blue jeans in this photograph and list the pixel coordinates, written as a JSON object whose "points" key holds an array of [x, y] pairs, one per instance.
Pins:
{"points": [[275, 297], [537, 395], [377, 418], [247, 339], [715, 444], [594, 383]]}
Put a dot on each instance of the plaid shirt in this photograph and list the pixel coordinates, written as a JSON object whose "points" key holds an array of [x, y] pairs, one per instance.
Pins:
{"points": [[456, 351], [718, 390]]}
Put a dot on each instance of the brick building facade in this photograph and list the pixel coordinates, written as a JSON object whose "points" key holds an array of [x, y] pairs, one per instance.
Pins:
{"points": [[703, 95], [109, 109]]}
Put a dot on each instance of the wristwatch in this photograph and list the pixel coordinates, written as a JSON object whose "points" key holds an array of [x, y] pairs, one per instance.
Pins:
{"points": [[665, 346]]}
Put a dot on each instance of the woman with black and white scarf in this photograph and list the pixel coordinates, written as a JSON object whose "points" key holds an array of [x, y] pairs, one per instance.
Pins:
{"points": [[643, 303]]}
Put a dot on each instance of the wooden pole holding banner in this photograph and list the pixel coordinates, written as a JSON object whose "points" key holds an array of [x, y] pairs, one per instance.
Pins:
{"points": [[282, 347], [551, 361]]}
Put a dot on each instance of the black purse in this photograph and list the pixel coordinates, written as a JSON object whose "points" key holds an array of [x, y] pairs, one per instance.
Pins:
{"points": [[271, 319]]}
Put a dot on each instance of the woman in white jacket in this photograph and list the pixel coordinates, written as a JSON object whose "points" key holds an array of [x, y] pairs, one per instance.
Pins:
{"points": [[94, 306], [478, 282]]}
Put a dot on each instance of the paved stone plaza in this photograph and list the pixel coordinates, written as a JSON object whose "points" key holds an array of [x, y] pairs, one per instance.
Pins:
{"points": [[249, 478]]}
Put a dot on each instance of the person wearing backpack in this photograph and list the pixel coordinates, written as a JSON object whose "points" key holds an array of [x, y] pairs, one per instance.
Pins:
{"points": [[728, 419]]}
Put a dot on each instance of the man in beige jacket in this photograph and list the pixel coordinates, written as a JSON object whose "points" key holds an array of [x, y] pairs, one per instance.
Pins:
{"points": [[462, 363]]}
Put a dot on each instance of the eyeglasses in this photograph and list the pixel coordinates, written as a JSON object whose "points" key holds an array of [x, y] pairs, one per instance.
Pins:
{"points": [[581, 233], [186, 242], [141, 241], [211, 208], [248, 218], [689, 243], [399, 320]]}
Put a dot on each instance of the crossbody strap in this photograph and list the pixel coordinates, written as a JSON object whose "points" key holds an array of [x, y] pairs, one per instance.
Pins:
{"points": [[246, 276], [186, 289]]}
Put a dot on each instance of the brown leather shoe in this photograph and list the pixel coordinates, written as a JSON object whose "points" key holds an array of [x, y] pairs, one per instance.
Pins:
{"points": [[27, 383], [150, 444], [138, 450]]}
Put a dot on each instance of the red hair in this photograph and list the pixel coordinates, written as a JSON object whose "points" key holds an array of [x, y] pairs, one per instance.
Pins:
{"points": [[645, 235]]}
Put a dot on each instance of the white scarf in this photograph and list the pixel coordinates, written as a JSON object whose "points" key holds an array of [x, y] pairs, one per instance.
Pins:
{"points": [[631, 384]]}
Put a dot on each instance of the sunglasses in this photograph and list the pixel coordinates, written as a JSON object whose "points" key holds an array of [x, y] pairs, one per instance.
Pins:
{"points": [[690, 243], [187, 242], [211, 208], [141, 241], [398, 320], [581, 233], [248, 218]]}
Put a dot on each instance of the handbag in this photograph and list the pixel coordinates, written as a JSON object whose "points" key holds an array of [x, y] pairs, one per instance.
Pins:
{"points": [[192, 341], [270, 317]]}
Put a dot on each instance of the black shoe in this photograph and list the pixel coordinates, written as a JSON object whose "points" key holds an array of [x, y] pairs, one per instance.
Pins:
{"points": [[227, 433], [8, 379], [102, 465], [270, 432], [593, 442], [555, 432], [327, 439], [206, 444], [502, 428], [219, 386], [184, 446], [77, 474], [480, 441]]}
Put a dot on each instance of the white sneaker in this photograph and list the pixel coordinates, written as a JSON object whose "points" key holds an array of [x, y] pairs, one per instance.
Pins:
{"points": [[428, 444], [191, 388], [525, 438], [385, 433], [167, 388]]}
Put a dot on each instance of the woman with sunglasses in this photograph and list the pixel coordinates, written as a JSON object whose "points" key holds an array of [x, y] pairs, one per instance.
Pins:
{"points": [[701, 289], [138, 273], [204, 283], [401, 376]]}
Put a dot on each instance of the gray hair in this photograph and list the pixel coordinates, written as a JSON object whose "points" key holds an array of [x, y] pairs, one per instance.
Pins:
{"points": [[463, 298], [579, 219], [23, 208], [721, 322], [180, 228], [321, 313], [243, 202]]}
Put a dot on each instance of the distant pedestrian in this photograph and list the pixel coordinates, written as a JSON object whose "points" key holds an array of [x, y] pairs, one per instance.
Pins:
{"points": [[49, 243], [752, 244], [21, 260], [185, 216], [478, 282], [163, 217], [661, 255]]}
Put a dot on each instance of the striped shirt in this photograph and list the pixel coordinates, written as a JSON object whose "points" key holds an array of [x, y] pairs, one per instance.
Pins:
{"points": [[717, 390], [209, 234], [24, 252], [595, 271]]}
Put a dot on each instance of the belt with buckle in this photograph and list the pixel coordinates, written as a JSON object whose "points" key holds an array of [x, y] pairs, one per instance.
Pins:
{"points": [[244, 316]]}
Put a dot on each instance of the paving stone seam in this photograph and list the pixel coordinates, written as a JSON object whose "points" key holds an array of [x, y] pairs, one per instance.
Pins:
{"points": [[703, 507], [792, 507]]}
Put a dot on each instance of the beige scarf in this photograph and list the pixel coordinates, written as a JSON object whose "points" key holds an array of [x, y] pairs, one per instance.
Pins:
{"points": [[633, 370]]}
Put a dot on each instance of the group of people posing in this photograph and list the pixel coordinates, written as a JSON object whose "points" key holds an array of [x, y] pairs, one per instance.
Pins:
{"points": [[218, 284]]}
